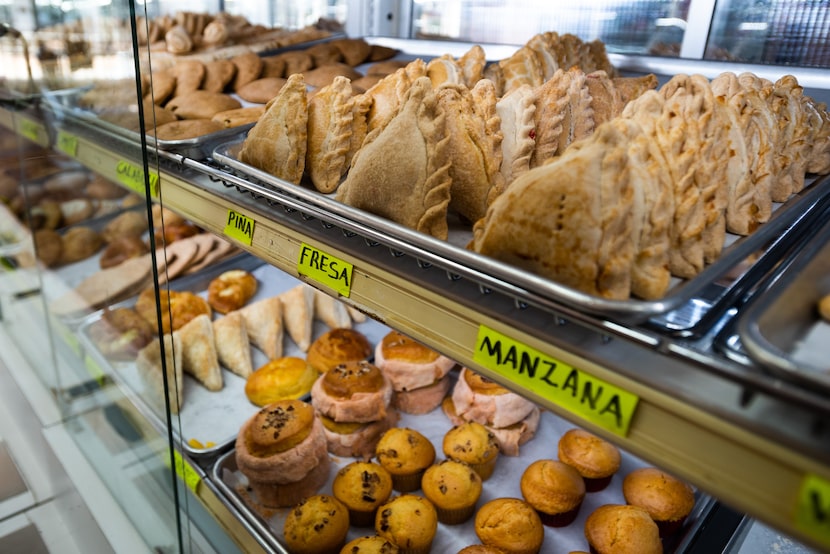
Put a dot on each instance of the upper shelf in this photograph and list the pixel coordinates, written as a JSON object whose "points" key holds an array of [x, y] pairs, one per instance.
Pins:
{"points": [[758, 443]]}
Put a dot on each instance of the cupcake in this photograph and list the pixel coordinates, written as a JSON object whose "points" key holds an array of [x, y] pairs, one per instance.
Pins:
{"points": [[408, 521], [667, 499], [283, 378], [362, 487], [352, 400], [370, 544], [453, 488], [317, 525], [405, 454], [338, 346], [555, 490], [282, 452], [474, 445], [595, 459], [510, 524], [419, 375], [622, 529]]}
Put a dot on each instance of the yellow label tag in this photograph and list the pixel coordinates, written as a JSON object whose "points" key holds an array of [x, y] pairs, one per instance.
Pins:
{"points": [[67, 143], [574, 390], [95, 370], [813, 511], [239, 227], [186, 472], [132, 176], [71, 341], [33, 131], [327, 270]]}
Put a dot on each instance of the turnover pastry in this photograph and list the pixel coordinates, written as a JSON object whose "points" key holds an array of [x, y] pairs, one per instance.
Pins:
{"points": [[263, 320], [330, 118], [277, 143], [445, 70], [199, 357], [177, 308], [231, 290], [414, 192], [522, 68], [232, 344], [155, 372], [331, 311], [516, 110], [298, 314]]}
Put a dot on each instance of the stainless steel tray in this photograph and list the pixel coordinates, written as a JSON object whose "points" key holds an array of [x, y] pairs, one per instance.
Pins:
{"points": [[268, 523], [495, 274], [210, 416], [64, 108], [782, 329]]}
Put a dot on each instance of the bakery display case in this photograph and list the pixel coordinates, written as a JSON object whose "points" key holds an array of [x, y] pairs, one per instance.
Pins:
{"points": [[154, 157]]}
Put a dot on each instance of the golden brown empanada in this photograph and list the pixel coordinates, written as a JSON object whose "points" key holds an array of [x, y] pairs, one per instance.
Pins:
{"points": [[415, 190], [522, 68], [331, 311], [444, 70], [330, 117], [277, 143], [516, 110], [472, 65], [298, 314]]}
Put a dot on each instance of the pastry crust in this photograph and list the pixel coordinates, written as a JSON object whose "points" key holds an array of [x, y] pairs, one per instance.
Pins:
{"points": [[330, 118], [416, 191], [232, 344], [298, 314], [516, 111], [522, 68], [472, 65], [149, 364], [199, 357], [444, 70], [277, 143], [263, 320]]}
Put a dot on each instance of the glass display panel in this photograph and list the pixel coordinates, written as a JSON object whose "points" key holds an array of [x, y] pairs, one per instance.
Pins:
{"points": [[640, 26], [777, 32]]}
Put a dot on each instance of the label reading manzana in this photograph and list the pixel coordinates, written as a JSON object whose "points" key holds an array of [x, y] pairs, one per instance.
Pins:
{"points": [[568, 387], [239, 227], [325, 269], [813, 510]]}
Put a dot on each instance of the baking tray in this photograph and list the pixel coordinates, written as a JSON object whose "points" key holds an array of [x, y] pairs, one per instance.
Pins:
{"points": [[65, 109], [268, 523], [204, 415], [784, 226], [782, 330]]}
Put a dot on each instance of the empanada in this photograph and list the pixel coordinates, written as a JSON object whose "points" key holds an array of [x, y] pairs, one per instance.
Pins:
{"points": [[516, 110], [149, 364], [472, 65], [330, 117], [199, 357], [331, 311], [298, 314], [232, 344], [522, 68], [277, 143], [263, 321], [445, 70], [415, 190]]}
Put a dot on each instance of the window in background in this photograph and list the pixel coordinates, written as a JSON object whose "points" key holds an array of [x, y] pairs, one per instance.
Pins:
{"points": [[632, 26], [780, 32]]}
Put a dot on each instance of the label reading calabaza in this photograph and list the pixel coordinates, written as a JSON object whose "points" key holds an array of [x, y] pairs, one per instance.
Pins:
{"points": [[239, 227], [325, 269], [813, 511], [132, 177], [568, 387]]}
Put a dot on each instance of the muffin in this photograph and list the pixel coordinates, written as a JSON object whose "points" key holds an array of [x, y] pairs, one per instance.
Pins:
{"points": [[555, 490], [453, 488], [667, 499], [282, 451], [419, 375], [371, 544], [352, 400], [473, 444], [362, 487], [622, 529], [284, 378], [408, 521], [405, 454], [595, 459], [481, 549], [317, 525], [510, 524], [337, 346]]}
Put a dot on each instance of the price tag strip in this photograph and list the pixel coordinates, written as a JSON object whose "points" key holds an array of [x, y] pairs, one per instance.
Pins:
{"points": [[186, 472], [132, 176], [34, 131], [67, 143], [582, 394], [812, 513], [325, 269], [239, 227]]}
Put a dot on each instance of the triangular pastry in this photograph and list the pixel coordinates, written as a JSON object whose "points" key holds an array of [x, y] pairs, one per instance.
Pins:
{"points": [[475, 138], [232, 344], [415, 190], [386, 98], [331, 311], [149, 364], [277, 143], [298, 314], [199, 357], [330, 117], [516, 111], [356, 315], [263, 321]]}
